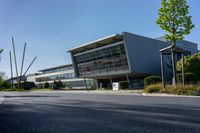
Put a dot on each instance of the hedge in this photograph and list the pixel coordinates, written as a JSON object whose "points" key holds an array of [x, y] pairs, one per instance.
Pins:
{"points": [[27, 85], [124, 85], [46, 85]]}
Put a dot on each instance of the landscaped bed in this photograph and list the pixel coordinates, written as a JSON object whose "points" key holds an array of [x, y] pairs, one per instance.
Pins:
{"points": [[177, 90]]}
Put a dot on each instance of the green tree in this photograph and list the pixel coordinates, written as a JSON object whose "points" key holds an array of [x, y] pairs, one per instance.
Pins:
{"points": [[46, 85], [58, 85], [174, 19], [5, 85], [1, 80], [191, 64]]}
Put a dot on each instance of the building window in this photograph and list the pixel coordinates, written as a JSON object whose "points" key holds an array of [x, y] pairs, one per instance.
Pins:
{"points": [[106, 60]]}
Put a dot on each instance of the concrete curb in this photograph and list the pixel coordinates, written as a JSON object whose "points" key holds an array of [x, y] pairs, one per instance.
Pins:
{"points": [[167, 95], [92, 92], [1, 98]]}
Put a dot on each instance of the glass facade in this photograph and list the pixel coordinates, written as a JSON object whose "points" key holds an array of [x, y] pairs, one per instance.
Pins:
{"points": [[63, 75], [106, 60], [80, 83], [70, 67], [55, 77]]}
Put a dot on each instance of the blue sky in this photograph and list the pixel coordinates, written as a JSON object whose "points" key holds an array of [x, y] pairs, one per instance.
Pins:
{"points": [[50, 27]]}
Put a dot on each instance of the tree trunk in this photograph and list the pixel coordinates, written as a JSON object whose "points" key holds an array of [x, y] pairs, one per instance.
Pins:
{"points": [[174, 78]]}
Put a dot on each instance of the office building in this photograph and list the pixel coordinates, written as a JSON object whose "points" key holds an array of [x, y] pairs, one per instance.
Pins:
{"points": [[122, 57], [64, 73]]}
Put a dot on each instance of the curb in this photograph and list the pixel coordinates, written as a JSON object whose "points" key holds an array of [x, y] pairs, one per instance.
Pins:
{"points": [[1, 98], [90, 92], [167, 95]]}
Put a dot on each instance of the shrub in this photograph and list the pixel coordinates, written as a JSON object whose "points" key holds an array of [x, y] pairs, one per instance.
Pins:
{"points": [[39, 86], [189, 78], [1, 80], [124, 85], [182, 90], [93, 87], [5, 85], [58, 85], [154, 88], [152, 80], [27, 85], [191, 64], [46, 85]]}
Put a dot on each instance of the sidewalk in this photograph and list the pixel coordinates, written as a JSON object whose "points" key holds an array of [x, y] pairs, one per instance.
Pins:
{"points": [[1, 98], [110, 92], [167, 95]]}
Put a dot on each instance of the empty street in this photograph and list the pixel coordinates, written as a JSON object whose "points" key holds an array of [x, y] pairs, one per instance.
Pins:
{"points": [[88, 112]]}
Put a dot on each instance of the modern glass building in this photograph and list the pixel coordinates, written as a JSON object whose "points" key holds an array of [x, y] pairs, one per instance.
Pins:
{"points": [[64, 73], [121, 57]]}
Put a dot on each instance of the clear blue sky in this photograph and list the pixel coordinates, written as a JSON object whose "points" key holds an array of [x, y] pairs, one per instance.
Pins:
{"points": [[50, 27]]}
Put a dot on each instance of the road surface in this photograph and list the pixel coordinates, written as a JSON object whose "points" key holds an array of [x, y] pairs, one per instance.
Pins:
{"points": [[58, 112]]}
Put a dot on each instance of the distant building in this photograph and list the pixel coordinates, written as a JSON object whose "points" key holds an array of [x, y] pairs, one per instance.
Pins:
{"points": [[16, 79], [122, 57], [64, 73]]}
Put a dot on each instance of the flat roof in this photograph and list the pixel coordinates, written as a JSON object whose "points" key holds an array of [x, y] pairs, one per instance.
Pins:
{"points": [[169, 48], [97, 43], [162, 38], [56, 67]]}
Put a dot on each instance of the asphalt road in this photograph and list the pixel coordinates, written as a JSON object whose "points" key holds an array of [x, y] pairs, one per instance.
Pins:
{"points": [[47, 112]]}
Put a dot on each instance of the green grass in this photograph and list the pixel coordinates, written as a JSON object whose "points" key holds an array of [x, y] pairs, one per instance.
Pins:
{"points": [[49, 89], [33, 89], [10, 89]]}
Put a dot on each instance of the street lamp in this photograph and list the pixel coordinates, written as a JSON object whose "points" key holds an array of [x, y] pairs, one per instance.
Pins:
{"points": [[1, 50]]}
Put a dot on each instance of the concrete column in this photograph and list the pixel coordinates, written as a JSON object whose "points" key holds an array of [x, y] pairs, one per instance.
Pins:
{"points": [[162, 70], [183, 71], [174, 80], [128, 80], [96, 84], [111, 82], [86, 84]]}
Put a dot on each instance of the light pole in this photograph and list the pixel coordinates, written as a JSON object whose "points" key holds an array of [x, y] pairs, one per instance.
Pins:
{"points": [[1, 50]]}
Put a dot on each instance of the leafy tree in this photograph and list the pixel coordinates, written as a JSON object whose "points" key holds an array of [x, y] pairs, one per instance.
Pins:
{"points": [[46, 85], [60, 84], [5, 85], [57, 85], [173, 18], [1, 80], [191, 64], [190, 78]]}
